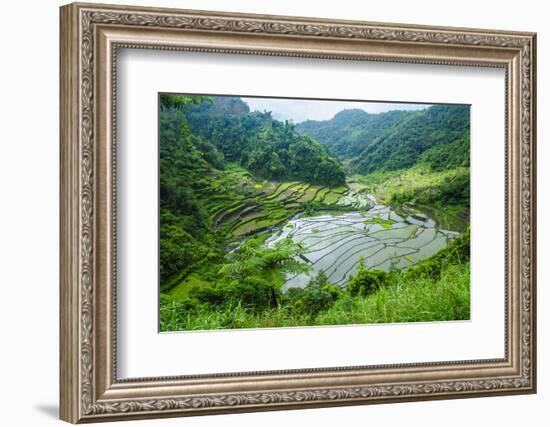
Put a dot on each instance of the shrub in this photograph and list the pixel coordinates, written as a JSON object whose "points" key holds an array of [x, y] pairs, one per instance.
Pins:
{"points": [[367, 281], [317, 296], [253, 294], [458, 252], [403, 196], [454, 190]]}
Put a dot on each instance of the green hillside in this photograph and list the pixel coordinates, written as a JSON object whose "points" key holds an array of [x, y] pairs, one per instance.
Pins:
{"points": [[438, 136], [263, 223], [266, 147], [227, 173]]}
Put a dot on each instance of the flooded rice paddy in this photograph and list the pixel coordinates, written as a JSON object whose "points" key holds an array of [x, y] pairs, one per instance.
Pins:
{"points": [[375, 235]]}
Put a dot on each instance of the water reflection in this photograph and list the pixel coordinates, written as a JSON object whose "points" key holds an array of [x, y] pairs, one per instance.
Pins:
{"points": [[378, 236]]}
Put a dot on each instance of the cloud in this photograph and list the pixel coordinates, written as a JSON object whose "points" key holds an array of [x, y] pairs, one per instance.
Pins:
{"points": [[299, 110]]}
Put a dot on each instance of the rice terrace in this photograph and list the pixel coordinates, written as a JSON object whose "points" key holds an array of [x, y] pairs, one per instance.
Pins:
{"points": [[290, 212]]}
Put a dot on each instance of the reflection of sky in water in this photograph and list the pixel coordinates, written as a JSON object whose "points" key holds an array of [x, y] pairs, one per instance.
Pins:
{"points": [[336, 244]]}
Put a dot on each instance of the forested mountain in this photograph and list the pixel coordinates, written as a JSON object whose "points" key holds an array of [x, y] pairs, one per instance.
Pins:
{"points": [[200, 137], [438, 135], [349, 130], [260, 227], [265, 146]]}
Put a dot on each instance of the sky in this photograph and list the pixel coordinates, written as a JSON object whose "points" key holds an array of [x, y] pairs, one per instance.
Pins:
{"points": [[299, 110]]}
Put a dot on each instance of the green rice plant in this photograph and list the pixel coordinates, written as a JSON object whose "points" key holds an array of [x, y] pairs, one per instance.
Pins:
{"points": [[386, 223]]}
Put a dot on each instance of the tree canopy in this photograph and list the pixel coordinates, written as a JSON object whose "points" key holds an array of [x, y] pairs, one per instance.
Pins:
{"points": [[438, 135], [267, 147]]}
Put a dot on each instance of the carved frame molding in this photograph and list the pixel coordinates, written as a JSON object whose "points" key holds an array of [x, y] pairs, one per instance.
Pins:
{"points": [[90, 36]]}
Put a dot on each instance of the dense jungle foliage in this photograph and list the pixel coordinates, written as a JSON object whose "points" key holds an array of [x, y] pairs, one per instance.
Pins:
{"points": [[438, 136], [199, 138], [230, 176], [436, 289], [266, 147]]}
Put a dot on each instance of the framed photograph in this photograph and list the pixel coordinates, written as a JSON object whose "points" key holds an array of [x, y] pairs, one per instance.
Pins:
{"points": [[267, 212]]}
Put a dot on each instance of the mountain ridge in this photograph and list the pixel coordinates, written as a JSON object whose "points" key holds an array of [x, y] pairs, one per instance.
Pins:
{"points": [[395, 139]]}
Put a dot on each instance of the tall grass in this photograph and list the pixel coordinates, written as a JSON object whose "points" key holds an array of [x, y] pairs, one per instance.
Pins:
{"points": [[417, 299]]}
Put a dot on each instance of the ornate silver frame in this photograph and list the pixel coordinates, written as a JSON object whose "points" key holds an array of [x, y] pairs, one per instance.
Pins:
{"points": [[90, 36]]}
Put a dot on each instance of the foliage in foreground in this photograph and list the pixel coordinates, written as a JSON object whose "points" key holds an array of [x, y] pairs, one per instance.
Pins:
{"points": [[251, 277], [436, 289]]}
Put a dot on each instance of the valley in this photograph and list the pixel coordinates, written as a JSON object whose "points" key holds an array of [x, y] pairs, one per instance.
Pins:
{"points": [[284, 235]]}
